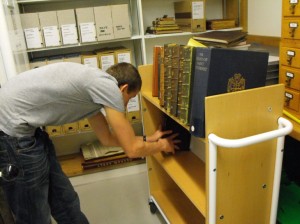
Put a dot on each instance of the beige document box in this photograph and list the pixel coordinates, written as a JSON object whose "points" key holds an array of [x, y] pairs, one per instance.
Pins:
{"points": [[121, 23], [32, 30], [68, 26], [106, 59], [86, 24], [190, 15], [123, 55], [104, 25], [75, 58], [49, 25], [89, 59]]}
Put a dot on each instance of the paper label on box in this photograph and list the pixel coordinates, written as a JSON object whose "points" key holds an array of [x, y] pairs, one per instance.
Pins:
{"points": [[69, 34], [133, 104], [33, 38], [107, 61], [123, 57], [88, 32], [198, 10], [92, 62], [51, 36]]}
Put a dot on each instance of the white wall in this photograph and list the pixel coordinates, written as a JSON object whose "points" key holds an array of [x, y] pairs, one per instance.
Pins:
{"points": [[264, 17]]}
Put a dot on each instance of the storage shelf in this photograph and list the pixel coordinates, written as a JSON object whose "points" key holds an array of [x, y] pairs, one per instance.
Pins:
{"points": [[177, 206], [135, 37], [155, 102], [188, 172]]}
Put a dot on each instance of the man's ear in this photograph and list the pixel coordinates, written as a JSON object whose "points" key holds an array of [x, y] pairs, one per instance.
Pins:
{"points": [[124, 88]]}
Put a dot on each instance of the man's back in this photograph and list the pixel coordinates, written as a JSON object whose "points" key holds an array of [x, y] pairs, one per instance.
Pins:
{"points": [[53, 95]]}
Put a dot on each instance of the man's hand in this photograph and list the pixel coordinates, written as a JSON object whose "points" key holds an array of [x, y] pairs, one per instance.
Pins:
{"points": [[170, 143]]}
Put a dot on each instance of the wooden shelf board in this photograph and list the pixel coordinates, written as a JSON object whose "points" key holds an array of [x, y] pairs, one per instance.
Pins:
{"points": [[155, 102], [177, 207], [71, 165], [188, 172]]}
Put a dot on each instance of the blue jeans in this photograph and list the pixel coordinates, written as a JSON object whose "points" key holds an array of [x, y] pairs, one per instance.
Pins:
{"points": [[42, 188]]}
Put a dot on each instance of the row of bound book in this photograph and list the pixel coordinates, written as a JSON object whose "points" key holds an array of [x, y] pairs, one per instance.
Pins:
{"points": [[184, 75], [96, 155]]}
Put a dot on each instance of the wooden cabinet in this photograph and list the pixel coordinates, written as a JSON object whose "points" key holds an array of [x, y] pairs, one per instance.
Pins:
{"points": [[180, 184], [289, 69]]}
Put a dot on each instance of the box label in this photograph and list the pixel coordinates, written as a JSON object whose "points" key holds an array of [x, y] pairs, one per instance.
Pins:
{"points": [[198, 10], [69, 34]]}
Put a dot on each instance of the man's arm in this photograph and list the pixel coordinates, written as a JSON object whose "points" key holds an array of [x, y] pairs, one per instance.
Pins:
{"points": [[124, 136], [101, 128]]}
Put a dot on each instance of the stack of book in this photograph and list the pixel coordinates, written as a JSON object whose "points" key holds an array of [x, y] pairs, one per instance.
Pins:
{"points": [[234, 39], [96, 155], [163, 25]]}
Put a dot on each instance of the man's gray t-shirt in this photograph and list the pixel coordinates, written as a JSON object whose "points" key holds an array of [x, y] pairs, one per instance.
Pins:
{"points": [[55, 94]]}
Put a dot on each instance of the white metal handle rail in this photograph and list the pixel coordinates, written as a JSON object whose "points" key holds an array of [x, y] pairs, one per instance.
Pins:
{"points": [[284, 128]]}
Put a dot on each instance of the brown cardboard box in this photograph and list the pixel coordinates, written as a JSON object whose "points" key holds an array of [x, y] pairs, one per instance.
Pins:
{"points": [[76, 58], [38, 62], [120, 19], [54, 130], [106, 59], [104, 24], [84, 125], [89, 59], [123, 55], [190, 15], [70, 128]]}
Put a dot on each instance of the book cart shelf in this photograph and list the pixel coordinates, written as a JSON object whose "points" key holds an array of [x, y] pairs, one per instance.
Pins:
{"points": [[179, 184]]}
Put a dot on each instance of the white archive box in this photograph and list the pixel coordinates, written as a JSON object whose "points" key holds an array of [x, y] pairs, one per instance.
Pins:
{"points": [[49, 25], [68, 26], [86, 24], [104, 24], [32, 30], [121, 22]]}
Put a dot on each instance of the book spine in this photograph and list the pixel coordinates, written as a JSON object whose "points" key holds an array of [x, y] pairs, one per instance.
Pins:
{"points": [[155, 75], [174, 79], [161, 78], [186, 82], [110, 163], [167, 76], [199, 92]]}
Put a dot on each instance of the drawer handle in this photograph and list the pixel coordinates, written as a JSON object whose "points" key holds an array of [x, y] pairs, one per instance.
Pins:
{"points": [[292, 7], [289, 76], [288, 81], [290, 55], [292, 31]]}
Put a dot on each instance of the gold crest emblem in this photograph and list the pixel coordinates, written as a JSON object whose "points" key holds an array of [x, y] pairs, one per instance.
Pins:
{"points": [[236, 83]]}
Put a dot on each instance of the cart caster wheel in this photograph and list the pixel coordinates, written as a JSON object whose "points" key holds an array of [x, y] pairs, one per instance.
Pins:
{"points": [[153, 207]]}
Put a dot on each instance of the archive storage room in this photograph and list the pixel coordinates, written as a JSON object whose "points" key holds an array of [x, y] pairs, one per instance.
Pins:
{"points": [[149, 111]]}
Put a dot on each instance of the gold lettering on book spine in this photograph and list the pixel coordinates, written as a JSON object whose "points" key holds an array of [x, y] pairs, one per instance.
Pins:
{"points": [[236, 83]]}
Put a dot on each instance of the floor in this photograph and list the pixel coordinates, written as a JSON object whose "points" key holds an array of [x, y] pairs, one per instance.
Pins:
{"points": [[117, 196]]}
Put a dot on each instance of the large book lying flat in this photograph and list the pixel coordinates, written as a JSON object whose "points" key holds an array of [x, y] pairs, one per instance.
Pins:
{"points": [[218, 70], [225, 37]]}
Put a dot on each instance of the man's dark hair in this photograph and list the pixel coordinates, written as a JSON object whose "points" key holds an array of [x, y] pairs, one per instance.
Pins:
{"points": [[126, 73]]}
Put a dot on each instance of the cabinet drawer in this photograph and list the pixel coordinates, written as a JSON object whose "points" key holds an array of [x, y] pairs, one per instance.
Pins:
{"points": [[290, 56], [291, 28], [292, 99], [290, 77], [290, 8]]}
